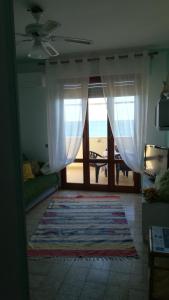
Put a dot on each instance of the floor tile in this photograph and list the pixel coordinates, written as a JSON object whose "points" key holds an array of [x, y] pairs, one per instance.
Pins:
{"points": [[139, 281], [66, 296], [93, 291], [71, 289], [91, 279], [124, 267], [35, 281], [137, 295], [121, 279], [101, 264], [112, 292], [97, 275], [77, 273]]}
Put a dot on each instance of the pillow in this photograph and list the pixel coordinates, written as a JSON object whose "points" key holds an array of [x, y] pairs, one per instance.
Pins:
{"points": [[163, 186], [158, 179], [151, 194], [45, 169], [27, 171], [35, 167]]}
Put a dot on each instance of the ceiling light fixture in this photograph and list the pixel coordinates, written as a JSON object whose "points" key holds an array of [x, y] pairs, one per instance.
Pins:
{"points": [[37, 51], [42, 50]]}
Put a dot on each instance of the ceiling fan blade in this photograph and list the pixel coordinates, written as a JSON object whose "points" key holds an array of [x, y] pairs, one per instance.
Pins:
{"points": [[21, 34], [49, 49], [49, 26], [22, 41], [79, 41], [71, 39]]}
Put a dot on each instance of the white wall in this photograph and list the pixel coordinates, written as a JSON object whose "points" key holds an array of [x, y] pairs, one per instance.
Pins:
{"points": [[158, 73], [33, 119]]}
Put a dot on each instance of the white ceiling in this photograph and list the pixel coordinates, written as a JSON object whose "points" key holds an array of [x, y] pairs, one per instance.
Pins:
{"points": [[111, 24]]}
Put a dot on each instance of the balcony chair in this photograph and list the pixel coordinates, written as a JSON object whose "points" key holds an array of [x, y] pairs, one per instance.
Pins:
{"points": [[97, 165], [121, 167]]}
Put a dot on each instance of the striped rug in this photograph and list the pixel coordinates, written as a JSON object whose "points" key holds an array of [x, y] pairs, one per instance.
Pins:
{"points": [[83, 226]]}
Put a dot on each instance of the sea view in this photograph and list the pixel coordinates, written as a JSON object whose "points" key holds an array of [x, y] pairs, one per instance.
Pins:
{"points": [[99, 128]]}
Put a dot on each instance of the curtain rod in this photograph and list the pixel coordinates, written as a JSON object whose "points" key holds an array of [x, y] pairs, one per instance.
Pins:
{"points": [[90, 59]]}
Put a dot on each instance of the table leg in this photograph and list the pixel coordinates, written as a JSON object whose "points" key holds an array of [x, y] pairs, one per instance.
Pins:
{"points": [[151, 276]]}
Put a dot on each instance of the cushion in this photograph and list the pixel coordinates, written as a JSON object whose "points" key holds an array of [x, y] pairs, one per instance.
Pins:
{"points": [[35, 167], [27, 171], [34, 188], [162, 185]]}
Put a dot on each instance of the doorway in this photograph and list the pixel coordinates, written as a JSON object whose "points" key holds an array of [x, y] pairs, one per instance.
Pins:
{"points": [[98, 165]]}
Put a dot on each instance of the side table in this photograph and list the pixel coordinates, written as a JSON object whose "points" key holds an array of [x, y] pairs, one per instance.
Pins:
{"points": [[158, 263]]}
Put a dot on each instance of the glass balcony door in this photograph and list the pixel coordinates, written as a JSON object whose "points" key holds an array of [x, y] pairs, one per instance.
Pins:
{"points": [[98, 164], [98, 141]]}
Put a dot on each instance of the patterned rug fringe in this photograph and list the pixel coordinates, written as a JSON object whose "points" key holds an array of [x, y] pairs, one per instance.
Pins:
{"points": [[65, 258]]}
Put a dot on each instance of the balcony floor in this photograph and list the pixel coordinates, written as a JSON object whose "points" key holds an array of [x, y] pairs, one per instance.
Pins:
{"points": [[75, 175]]}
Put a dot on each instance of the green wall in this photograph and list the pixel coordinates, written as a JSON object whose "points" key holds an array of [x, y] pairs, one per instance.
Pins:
{"points": [[33, 117]]}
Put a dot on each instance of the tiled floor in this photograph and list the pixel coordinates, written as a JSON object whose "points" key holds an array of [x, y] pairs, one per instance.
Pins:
{"points": [[91, 280]]}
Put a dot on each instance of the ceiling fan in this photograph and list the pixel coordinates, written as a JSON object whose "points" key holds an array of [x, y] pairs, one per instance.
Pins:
{"points": [[41, 34]]}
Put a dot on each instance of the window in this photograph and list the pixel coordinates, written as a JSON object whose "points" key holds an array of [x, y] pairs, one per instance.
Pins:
{"points": [[124, 116]]}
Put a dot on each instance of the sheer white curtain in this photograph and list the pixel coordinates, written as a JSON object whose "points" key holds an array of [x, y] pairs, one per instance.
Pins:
{"points": [[126, 93], [66, 110]]}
